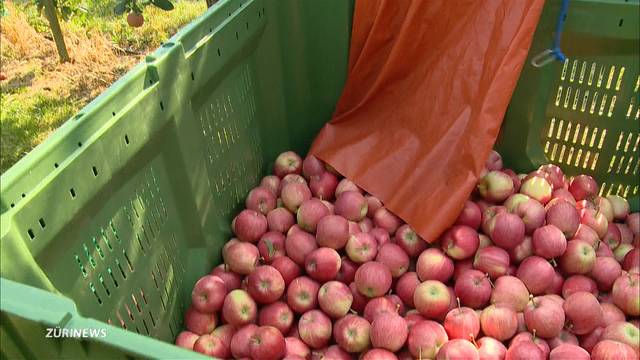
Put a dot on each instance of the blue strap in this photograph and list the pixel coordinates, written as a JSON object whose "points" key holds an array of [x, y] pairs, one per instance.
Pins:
{"points": [[559, 26]]}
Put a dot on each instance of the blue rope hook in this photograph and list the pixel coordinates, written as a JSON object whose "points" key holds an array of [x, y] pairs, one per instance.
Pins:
{"points": [[554, 53]]}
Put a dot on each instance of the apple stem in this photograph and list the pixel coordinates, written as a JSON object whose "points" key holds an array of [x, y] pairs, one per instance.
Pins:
{"points": [[553, 262], [458, 301], [490, 282], [353, 311], [531, 299], [261, 260], [534, 335], [473, 339]]}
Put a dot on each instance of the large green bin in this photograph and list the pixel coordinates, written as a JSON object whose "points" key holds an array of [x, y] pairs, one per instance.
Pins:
{"points": [[108, 223]]}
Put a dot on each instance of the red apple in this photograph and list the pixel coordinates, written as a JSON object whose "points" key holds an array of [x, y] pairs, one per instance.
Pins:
{"points": [[347, 185], [460, 242], [633, 222], [296, 347], [565, 337], [510, 291], [302, 294], [549, 242], [583, 312], [605, 271], [373, 279], [433, 264], [397, 302], [361, 248], [524, 350], [529, 337], [294, 194], [413, 317], [626, 236], [241, 257], [576, 283], [537, 188], [470, 215], [354, 228], [272, 183], [611, 314], [631, 259], [241, 340], [406, 286], [323, 264], [287, 268], [495, 186], [287, 163], [432, 299], [373, 204], [298, 245], [385, 219], [310, 213], [208, 294], [507, 230], [458, 349], [426, 338], [231, 280], [569, 351], [557, 282], [394, 258], [623, 332], [381, 235], [473, 288], [332, 231], [492, 260], [249, 225], [389, 331], [564, 194], [278, 315], [409, 241], [613, 350], [517, 182], [595, 220], [351, 205], [267, 343], [261, 199], [312, 166], [315, 329], [579, 258], [491, 349], [265, 284], [331, 352], [563, 215], [335, 299], [612, 237], [462, 323], [461, 266], [239, 308], [626, 293], [186, 339], [352, 333], [544, 317], [603, 250], [365, 225], [494, 162], [379, 354], [198, 322], [484, 242], [487, 217], [271, 246], [499, 321], [619, 206], [583, 187], [522, 251], [347, 271], [587, 234], [280, 220], [621, 251], [556, 176], [359, 301], [535, 273]]}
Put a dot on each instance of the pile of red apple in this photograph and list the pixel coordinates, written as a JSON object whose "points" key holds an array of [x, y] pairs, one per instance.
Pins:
{"points": [[536, 266]]}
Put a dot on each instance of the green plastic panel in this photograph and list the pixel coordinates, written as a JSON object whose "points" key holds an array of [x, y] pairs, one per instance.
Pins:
{"points": [[112, 219], [582, 114]]}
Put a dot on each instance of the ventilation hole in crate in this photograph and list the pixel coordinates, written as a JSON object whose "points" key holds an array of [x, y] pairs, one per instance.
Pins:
{"points": [[126, 139], [602, 104], [124, 275], [144, 298], [237, 35], [583, 69], [628, 168], [568, 131], [135, 302], [128, 261], [247, 25], [611, 162], [146, 237], [95, 293], [546, 148], [567, 97], [95, 243], [88, 255], [561, 156], [146, 329], [95, 170], [55, 165], [106, 239], [79, 144], [620, 77], [592, 73], [140, 243], [13, 205], [595, 161], [161, 106], [600, 76], [160, 272], [192, 76], [594, 134], [612, 71], [575, 99], [219, 52], [573, 70], [570, 155], [153, 320], [155, 282], [620, 22], [126, 306], [585, 134], [620, 164], [104, 286], [164, 307], [82, 269], [620, 136], [42, 223], [173, 333], [635, 146], [113, 278], [585, 164], [72, 192]]}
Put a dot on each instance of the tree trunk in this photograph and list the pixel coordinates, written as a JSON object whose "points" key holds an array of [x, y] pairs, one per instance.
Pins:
{"points": [[50, 13]]}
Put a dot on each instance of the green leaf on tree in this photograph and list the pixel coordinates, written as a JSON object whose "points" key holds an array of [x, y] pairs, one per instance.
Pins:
{"points": [[163, 4]]}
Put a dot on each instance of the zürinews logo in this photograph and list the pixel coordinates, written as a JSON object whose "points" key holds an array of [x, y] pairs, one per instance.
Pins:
{"points": [[75, 333]]}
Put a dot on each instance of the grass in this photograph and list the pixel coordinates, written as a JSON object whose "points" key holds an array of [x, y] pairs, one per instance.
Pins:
{"points": [[40, 94]]}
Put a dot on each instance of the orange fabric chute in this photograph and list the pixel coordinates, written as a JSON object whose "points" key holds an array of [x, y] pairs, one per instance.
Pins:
{"points": [[428, 85]]}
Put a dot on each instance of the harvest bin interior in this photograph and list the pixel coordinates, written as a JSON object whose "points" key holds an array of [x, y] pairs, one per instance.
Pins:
{"points": [[109, 223]]}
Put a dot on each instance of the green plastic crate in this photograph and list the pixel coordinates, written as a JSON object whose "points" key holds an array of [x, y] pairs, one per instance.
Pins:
{"points": [[125, 206], [582, 114], [109, 223]]}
